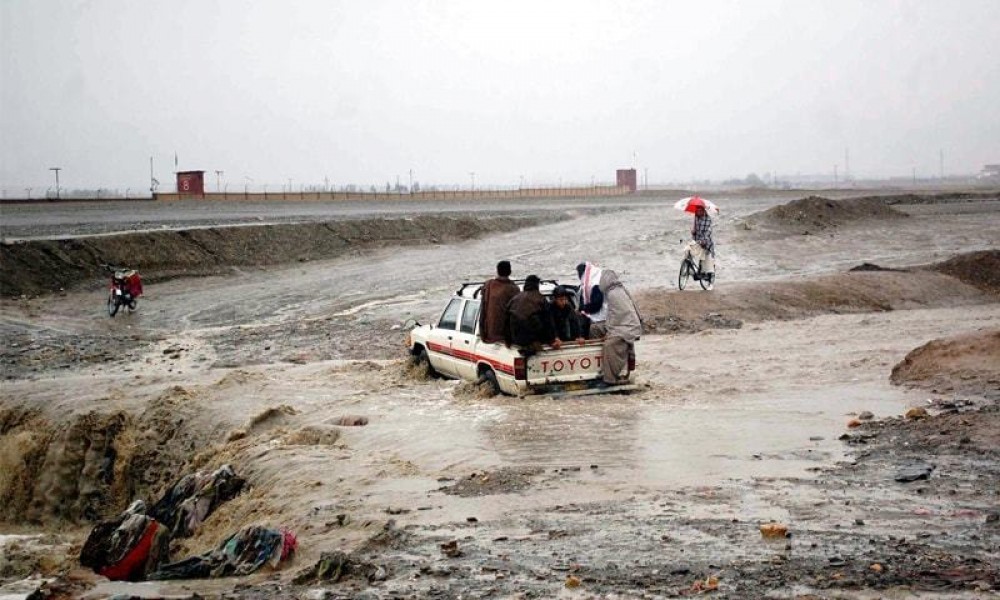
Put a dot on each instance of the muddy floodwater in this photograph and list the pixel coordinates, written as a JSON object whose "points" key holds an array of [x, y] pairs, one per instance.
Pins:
{"points": [[741, 419]]}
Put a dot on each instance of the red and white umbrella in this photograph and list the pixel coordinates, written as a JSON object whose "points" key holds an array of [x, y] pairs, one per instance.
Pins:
{"points": [[691, 204]]}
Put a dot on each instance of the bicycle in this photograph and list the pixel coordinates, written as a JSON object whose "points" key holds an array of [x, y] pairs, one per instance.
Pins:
{"points": [[691, 268]]}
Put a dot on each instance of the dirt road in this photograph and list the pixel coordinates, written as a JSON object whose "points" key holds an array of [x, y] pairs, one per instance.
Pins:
{"points": [[646, 494]]}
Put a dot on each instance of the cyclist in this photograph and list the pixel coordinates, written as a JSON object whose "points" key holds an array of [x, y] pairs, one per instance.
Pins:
{"points": [[704, 250]]}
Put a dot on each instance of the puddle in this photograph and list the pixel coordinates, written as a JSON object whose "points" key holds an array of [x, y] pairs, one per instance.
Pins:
{"points": [[635, 439]]}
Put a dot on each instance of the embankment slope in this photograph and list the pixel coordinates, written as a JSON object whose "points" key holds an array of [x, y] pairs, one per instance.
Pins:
{"points": [[37, 267]]}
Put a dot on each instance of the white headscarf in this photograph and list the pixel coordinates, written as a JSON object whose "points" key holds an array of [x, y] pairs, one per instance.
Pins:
{"points": [[591, 277]]}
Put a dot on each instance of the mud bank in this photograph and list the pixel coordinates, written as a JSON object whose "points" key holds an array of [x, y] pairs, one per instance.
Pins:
{"points": [[968, 363], [963, 280], [43, 266], [816, 213]]}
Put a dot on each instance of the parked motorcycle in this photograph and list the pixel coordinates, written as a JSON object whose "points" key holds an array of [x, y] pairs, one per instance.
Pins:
{"points": [[125, 289]]}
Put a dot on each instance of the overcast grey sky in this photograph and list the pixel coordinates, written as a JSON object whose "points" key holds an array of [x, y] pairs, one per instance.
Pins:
{"points": [[364, 91]]}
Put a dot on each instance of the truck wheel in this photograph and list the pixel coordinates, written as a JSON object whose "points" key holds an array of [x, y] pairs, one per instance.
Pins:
{"points": [[423, 363], [491, 383]]}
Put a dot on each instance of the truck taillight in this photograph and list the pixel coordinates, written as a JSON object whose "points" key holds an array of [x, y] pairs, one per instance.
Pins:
{"points": [[520, 369], [631, 363]]}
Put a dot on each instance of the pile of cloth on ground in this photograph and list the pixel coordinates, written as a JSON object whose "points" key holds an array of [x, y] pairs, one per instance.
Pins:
{"points": [[135, 545], [127, 547], [240, 554], [193, 497]]}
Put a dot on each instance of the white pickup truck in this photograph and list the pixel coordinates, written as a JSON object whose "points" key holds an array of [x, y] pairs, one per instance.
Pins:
{"points": [[452, 348]]}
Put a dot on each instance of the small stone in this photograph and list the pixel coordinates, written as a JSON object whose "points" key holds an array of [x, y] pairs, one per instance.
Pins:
{"points": [[917, 413], [572, 582], [866, 416], [774, 530]]}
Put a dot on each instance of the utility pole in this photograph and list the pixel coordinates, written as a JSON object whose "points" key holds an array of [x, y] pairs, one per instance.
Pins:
{"points": [[411, 181], [152, 180], [847, 164], [218, 181], [56, 169]]}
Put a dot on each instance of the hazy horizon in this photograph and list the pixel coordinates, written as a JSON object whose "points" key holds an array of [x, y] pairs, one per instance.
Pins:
{"points": [[558, 91]]}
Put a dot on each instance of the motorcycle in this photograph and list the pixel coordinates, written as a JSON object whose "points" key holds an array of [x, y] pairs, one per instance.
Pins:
{"points": [[125, 289]]}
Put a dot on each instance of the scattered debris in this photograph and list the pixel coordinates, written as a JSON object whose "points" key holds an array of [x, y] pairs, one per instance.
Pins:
{"points": [[128, 547], [194, 497], [914, 471], [450, 549], [336, 566], [774, 530], [242, 553]]}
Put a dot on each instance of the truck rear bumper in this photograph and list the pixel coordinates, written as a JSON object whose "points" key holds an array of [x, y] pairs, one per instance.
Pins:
{"points": [[576, 389]]}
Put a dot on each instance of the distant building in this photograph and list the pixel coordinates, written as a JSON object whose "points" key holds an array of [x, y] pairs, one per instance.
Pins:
{"points": [[990, 172], [191, 183], [627, 179]]}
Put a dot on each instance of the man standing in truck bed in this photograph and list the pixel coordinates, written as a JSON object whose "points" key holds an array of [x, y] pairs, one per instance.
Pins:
{"points": [[620, 326], [496, 293]]}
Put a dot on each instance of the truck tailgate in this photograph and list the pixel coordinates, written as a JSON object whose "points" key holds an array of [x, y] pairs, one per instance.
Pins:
{"points": [[572, 362]]}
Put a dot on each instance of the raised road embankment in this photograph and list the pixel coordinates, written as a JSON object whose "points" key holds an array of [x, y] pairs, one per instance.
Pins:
{"points": [[35, 267]]}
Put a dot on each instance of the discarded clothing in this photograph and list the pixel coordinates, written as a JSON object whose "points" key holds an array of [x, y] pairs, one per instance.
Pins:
{"points": [[195, 496], [127, 547], [240, 554], [334, 566]]}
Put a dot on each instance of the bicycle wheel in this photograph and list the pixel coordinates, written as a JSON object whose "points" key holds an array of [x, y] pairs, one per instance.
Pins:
{"points": [[703, 279], [684, 275]]}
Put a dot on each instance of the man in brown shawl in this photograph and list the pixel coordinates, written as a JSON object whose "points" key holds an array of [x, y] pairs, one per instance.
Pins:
{"points": [[495, 294]]}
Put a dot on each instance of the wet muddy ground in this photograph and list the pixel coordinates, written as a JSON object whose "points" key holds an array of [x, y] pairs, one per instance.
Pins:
{"points": [[657, 494]]}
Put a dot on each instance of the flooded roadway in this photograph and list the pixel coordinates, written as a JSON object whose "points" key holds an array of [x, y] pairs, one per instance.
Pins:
{"points": [[722, 408]]}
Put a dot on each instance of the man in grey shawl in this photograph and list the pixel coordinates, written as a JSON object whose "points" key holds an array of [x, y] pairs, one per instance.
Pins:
{"points": [[621, 325]]}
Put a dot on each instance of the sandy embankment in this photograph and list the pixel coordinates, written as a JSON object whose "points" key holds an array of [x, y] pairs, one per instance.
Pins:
{"points": [[44, 266]]}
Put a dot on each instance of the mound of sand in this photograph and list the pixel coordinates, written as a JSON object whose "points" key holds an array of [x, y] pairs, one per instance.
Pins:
{"points": [[968, 362], [42, 266], [980, 269], [815, 213], [853, 292]]}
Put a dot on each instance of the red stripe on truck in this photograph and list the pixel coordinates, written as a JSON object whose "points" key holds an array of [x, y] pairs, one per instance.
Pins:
{"points": [[470, 357]]}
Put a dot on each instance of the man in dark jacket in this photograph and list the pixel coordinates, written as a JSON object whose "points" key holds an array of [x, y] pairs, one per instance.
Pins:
{"points": [[528, 322], [496, 293], [564, 318]]}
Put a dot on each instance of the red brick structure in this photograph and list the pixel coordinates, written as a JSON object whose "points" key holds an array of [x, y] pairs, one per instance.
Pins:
{"points": [[627, 179], [191, 183]]}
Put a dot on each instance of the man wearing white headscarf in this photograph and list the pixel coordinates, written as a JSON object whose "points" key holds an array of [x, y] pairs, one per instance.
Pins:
{"points": [[614, 317]]}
